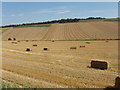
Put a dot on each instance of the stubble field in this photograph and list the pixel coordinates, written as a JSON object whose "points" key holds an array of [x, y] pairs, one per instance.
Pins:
{"points": [[59, 66], [65, 31]]}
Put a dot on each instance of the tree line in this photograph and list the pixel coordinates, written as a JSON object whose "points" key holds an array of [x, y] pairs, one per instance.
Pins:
{"points": [[68, 20]]}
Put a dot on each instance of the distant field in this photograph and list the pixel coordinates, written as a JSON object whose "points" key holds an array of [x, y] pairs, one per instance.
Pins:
{"points": [[112, 19], [66, 31], [45, 25], [96, 20], [4, 29]]}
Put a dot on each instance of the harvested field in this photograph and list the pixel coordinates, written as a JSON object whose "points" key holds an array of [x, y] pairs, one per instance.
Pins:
{"points": [[52, 64], [28, 33], [67, 31], [60, 67]]}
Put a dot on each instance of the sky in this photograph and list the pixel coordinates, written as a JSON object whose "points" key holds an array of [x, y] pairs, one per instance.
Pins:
{"points": [[31, 12]]}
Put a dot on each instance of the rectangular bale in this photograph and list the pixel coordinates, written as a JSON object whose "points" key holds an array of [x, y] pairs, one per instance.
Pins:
{"points": [[14, 42], [88, 42], [99, 64], [82, 46], [73, 47], [35, 45], [106, 41], [117, 82], [53, 41]]}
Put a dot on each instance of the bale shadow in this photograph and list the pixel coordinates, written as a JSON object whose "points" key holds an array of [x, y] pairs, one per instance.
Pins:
{"points": [[96, 68], [111, 88]]}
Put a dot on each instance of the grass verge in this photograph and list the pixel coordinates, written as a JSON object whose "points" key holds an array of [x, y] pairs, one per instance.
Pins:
{"points": [[45, 25], [8, 85]]}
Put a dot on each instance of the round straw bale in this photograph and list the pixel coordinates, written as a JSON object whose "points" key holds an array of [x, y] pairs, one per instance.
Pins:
{"points": [[28, 49], [14, 38], [9, 39], [45, 49]]}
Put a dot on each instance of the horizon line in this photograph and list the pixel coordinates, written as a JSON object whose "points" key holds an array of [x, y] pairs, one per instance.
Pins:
{"points": [[53, 20]]}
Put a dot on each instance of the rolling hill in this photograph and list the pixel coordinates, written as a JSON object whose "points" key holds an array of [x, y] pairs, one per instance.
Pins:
{"points": [[65, 31]]}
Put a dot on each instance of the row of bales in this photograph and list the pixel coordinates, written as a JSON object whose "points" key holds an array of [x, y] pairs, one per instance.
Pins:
{"points": [[35, 45], [45, 49], [94, 64], [9, 39], [83, 46], [76, 47], [28, 49]]}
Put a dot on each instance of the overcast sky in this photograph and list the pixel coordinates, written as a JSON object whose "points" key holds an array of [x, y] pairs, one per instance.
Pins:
{"points": [[25, 12]]}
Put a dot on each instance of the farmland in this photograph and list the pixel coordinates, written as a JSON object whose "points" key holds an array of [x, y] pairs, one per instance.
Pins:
{"points": [[67, 31], [65, 62], [59, 66]]}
